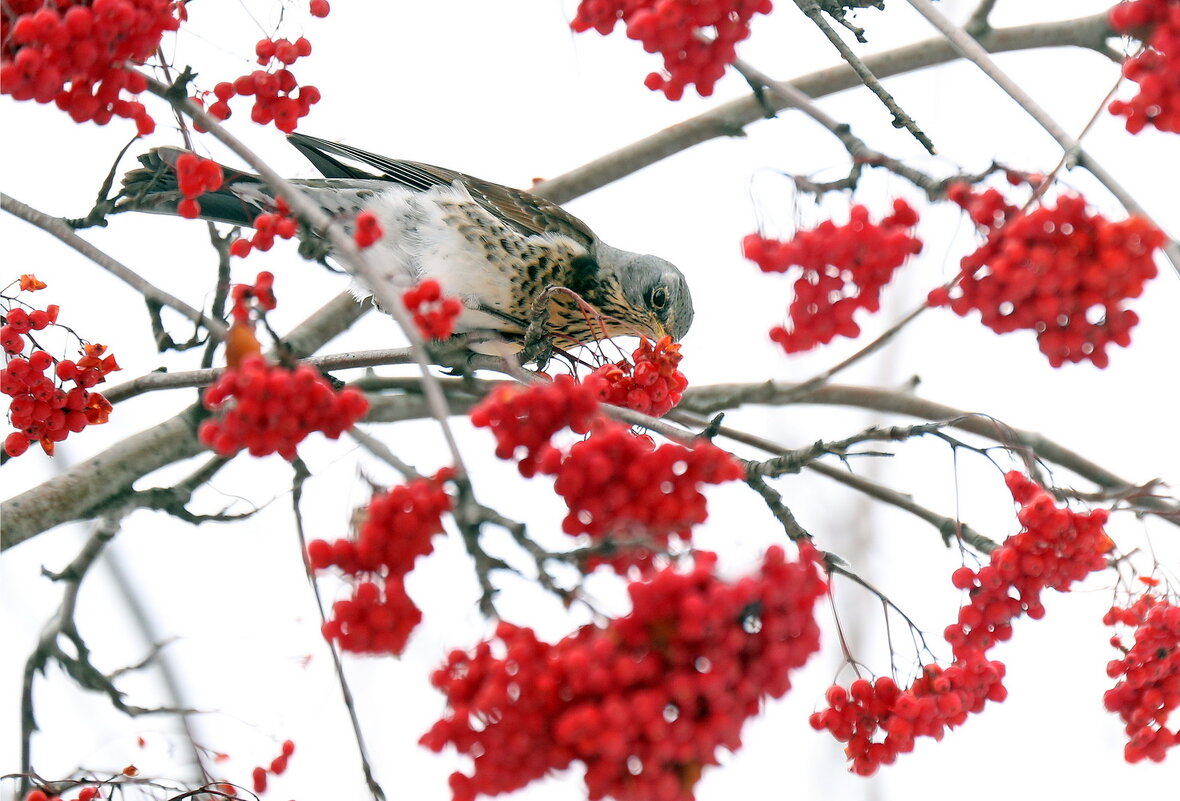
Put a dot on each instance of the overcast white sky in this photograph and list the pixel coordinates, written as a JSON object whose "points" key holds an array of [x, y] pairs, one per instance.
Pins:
{"points": [[506, 92]]}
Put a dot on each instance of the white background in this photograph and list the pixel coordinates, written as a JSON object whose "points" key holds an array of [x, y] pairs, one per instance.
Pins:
{"points": [[505, 91]]}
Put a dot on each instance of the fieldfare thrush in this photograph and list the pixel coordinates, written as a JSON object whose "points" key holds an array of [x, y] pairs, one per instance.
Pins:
{"points": [[503, 252]]}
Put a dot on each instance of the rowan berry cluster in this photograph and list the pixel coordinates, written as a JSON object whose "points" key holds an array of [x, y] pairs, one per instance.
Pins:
{"points": [[650, 384], [76, 53], [84, 794], [267, 227], [844, 268], [623, 488], [524, 419], [939, 699], [278, 766], [1148, 687], [673, 28], [433, 314], [368, 229], [267, 408], [645, 701], [1156, 69], [42, 409], [194, 177], [397, 528], [1056, 548], [1057, 270], [278, 97], [618, 486]]}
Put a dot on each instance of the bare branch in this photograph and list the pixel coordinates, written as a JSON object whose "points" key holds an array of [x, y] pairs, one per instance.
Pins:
{"points": [[153, 382], [950, 528], [709, 399], [57, 227], [729, 119], [77, 665], [301, 475], [812, 10]]}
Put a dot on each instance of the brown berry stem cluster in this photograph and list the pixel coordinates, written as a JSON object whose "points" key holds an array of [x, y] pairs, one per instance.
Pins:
{"points": [[41, 408], [672, 28], [619, 487], [843, 269], [76, 53], [1056, 548], [1057, 270], [434, 315], [1148, 687], [1156, 69], [645, 701], [397, 528], [650, 383]]}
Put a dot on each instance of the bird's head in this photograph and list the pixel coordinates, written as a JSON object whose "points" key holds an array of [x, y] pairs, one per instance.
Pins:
{"points": [[656, 293]]}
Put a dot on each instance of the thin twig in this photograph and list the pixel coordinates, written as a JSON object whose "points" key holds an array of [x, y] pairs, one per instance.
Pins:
{"points": [[54, 226], [382, 452], [153, 382], [301, 475], [718, 397], [812, 10], [77, 665], [950, 528]]}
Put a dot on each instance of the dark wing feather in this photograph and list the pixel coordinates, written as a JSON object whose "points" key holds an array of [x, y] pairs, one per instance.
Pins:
{"points": [[518, 209]]}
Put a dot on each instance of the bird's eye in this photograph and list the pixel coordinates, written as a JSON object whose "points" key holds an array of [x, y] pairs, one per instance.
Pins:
{"points": [[659, 298]]}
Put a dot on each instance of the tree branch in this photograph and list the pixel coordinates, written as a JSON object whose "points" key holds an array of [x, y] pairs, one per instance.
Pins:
{"points": [[729, 119], [974, 52], [717, 397], [57, 228]]}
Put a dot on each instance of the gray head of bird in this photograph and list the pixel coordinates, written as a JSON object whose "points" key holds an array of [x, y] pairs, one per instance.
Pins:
{"points": [[655, 290]]}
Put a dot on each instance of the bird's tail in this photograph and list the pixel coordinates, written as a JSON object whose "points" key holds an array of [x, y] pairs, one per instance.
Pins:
{"points": [[153, 188]]}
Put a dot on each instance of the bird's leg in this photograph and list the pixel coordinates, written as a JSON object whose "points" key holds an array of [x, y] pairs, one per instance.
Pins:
{"points": [[453, 355], [538, 340]]}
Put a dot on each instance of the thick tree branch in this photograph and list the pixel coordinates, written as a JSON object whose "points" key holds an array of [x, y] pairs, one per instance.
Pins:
{"points": [[717, 397], [110, 475], [71, 495], [729, 119]]}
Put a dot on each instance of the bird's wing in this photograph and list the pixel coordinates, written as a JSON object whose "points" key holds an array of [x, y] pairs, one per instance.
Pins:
{"points": [[518, 209]]}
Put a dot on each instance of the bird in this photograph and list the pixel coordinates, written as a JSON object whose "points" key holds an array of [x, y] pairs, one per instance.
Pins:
{"points": [[511, 257]]}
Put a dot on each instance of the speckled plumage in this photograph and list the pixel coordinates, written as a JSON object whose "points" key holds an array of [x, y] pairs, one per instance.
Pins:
{"points": [[498, 249]]}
